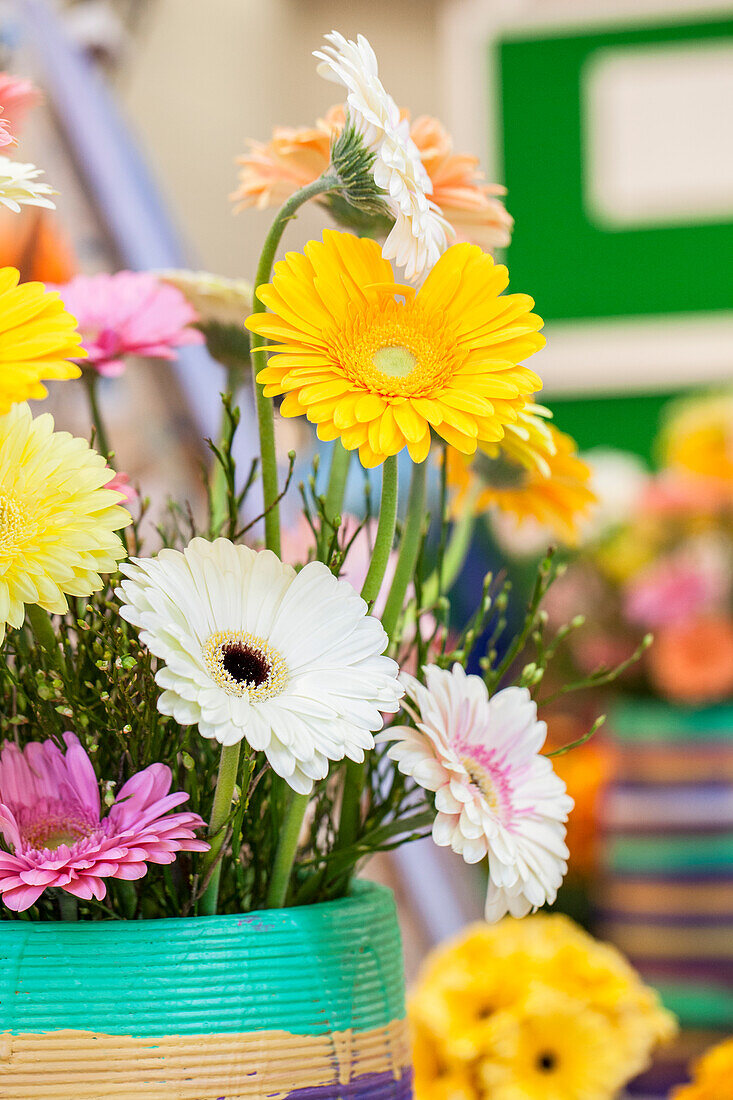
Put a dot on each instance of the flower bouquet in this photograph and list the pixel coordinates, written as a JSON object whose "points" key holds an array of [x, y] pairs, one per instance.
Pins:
{"points": [[662, 564], [224, 947]]}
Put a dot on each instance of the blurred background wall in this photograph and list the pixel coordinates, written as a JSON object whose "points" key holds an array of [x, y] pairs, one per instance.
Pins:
{"points": [[206, 76]]}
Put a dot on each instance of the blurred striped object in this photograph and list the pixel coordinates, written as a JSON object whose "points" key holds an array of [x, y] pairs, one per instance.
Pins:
{"points": [[666, 897]]}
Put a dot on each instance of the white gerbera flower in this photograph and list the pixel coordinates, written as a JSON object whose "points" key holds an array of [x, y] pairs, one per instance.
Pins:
{"points": [[495, 794], [420, 232], [19, 186], [291, 662]]}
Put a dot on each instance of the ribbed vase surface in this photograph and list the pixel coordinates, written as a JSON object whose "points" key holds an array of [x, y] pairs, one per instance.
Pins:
{"points": [[288, 1004]]}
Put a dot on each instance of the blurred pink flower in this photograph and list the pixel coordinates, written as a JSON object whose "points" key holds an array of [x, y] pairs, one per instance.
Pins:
{"points": [[121, 483], [50, 816], [674, 589], [674, 494], [129, 313], [17, 96], [668, 592]]}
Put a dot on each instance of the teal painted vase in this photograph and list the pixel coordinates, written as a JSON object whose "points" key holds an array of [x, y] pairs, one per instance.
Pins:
{"points": [[288, 1004]]}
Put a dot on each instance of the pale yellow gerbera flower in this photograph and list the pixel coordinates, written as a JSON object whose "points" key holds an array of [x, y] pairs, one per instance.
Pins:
{"points": [[377, 365], [57, 521], [533, 474], [216, 299], [20, 186], [37, 339]]}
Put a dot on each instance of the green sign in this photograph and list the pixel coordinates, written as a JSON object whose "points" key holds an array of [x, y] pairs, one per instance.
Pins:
{"points": [[575, 265]]}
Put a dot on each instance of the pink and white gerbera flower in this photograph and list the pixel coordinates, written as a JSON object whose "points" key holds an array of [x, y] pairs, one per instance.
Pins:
{"points": [[495, 794], [51, 818], [129, 313]]}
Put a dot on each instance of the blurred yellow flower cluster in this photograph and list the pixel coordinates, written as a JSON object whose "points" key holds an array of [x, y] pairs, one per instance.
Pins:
{"points": [[713, 1075], [531, 1010], [697, 437]]}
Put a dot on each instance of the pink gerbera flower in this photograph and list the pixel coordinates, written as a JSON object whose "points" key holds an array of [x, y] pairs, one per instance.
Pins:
{"points": [[129, 313], [17, 97], [51, 818], [121, 484]]}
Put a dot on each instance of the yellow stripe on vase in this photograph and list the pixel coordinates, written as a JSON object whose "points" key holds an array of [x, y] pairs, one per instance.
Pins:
{"points": [[94, 1066]]}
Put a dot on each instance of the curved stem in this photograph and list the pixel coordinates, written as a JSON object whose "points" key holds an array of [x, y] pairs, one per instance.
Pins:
{"points": [[91, 381], [354, 778], [409, 549], [226, 780], [286, 850], [265, 418], [337, 477]]}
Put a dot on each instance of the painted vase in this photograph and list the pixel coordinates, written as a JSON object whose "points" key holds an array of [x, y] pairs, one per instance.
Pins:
{"points": [[303, 1004]]}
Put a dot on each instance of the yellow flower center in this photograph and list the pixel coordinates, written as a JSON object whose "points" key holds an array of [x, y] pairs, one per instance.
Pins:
{"points": [[244, 664], [55, 824], [14, 524], [398, 350], [481, 779], [394, 362]]}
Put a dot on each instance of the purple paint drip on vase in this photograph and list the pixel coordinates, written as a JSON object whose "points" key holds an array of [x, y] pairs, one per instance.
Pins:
{"points": [[369, 1086]]}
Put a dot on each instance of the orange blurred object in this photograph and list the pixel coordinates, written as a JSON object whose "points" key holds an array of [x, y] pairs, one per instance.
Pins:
{"points": [[692, 662], [33, 242], [587, 772]]}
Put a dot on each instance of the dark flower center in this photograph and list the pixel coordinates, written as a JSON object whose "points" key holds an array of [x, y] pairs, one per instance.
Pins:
{"points": [[499, 472], [245, 665], [547, 1061]]}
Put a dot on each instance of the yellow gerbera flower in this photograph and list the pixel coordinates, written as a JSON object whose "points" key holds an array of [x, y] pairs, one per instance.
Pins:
{"points": [[552, 1047], [534, 472], [697, 436], [57, 521], [377, 365], [37, 339]]}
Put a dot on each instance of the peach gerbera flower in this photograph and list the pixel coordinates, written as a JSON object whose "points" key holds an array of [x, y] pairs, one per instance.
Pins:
{"points": [[469, 204], [692, 662], [272, 171]]}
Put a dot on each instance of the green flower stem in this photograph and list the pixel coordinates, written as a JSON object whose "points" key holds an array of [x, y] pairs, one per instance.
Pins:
{"points": [[385, 531], [42, 627], [219, 487], [223, 795], [409, 549], [91, 381], [287, 848], [338, 474], [354, 778], [68, 906], [455, 556], [265, 417]]}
